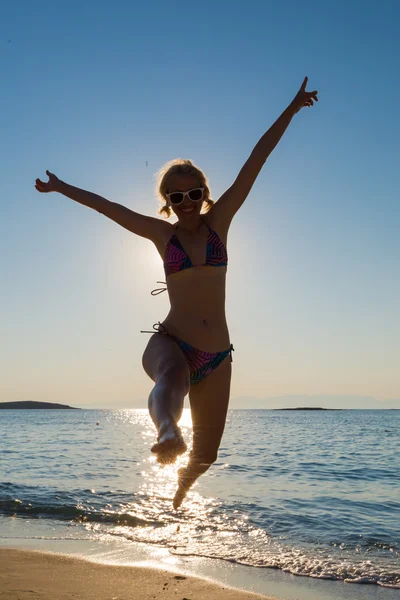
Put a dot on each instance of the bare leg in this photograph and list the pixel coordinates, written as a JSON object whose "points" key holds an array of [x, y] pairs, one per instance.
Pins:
{"points": [[164, 362], [209, 404], [189, 474], [165, 407]]}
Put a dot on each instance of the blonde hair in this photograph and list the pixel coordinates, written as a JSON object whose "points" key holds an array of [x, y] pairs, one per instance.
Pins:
{"points": [[179, 166]]}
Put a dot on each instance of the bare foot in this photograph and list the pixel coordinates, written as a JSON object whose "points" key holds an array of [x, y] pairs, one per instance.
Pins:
{"points": [[179, 498], [182, 489], [185, 482], [169, 444]]}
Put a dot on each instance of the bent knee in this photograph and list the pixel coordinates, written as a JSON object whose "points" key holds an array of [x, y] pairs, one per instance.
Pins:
{"points": [[163, 358]]}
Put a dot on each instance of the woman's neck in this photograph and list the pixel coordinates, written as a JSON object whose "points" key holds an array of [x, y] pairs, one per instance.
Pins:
{"points": [[190, 227]]}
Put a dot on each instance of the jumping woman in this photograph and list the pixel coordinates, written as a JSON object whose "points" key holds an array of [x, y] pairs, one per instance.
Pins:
{"points": [[190, 352]]}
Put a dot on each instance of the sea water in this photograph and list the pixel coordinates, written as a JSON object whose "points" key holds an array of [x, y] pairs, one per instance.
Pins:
{"points": [[313, 493]]}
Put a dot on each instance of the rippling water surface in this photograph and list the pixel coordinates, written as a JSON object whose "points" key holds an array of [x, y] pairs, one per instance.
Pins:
{"points": [[311, 493]]}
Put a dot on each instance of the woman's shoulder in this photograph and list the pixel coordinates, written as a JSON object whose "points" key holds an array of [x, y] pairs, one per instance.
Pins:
{"points": [[165, 233]]}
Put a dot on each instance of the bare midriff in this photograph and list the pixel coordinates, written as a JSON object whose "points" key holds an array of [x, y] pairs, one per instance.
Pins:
{"points": [[197, 313]]}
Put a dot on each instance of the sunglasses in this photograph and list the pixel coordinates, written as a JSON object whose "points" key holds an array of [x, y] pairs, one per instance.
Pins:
{"points": [[176, 198]]}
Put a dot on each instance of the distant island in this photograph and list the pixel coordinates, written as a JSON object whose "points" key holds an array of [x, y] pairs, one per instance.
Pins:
{"points": [[29, 404], [307, 408]]}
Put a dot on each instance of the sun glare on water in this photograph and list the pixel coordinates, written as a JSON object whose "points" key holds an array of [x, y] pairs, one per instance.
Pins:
{"points": [[158, 483]]}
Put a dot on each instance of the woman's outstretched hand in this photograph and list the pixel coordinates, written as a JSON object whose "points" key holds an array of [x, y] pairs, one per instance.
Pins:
{"points": [[52, 185], [304, 98]]}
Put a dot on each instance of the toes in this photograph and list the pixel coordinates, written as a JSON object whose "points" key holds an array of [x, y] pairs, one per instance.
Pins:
{"points": [[176, 446], [169, 444], [166, 459], [168, 450]]}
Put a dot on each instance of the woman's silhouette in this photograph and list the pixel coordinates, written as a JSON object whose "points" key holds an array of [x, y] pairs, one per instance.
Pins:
{"points": [[190, 350]]}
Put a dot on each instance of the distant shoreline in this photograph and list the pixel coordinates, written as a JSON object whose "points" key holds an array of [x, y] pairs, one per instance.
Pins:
{"points": [[308, 408], [31, 405]]}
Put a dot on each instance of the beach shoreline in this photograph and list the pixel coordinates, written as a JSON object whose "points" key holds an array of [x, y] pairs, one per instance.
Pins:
{"points": [[217, 576], [51, 576], [277, 522]]}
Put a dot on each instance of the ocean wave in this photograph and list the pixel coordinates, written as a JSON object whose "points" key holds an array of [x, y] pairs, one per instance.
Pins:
{"points": [[36, 502], [218, 530], [255, 549], [313, 495]]}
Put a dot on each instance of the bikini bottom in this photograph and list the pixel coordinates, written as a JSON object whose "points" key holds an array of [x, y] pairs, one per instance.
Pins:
{"points": [[201, 364]]}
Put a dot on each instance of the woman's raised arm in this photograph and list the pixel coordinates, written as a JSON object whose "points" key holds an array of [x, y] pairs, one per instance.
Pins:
{"points": [[225, 208], [142, 225]]}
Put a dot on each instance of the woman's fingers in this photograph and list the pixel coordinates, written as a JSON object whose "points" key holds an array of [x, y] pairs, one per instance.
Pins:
{"points": [[41, 186], [311, 98], [305, 98]]}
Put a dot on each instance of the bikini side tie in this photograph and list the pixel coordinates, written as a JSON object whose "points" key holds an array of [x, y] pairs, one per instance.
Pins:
{"points": [[158, 328], [159, 290]]}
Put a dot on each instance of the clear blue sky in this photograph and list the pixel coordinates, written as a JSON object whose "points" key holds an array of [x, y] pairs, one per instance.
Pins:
{"points": [[93, 90]]}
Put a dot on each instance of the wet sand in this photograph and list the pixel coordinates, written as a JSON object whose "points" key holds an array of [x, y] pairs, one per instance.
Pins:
{"points": [[26, 574]]}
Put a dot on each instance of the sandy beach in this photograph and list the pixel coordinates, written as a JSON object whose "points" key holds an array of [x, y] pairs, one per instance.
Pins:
{"points": [[30, 574]]}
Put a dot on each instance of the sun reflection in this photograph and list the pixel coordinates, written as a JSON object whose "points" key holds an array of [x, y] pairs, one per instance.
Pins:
{"points": [[157, 484], [186, 419], [140, 508], [160, 481]]}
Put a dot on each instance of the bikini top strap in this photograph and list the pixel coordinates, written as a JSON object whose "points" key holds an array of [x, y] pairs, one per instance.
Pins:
{"points": [[208, 227]]}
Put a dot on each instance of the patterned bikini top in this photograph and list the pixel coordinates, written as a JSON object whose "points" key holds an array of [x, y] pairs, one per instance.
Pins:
{"points": [[176, 258]]}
